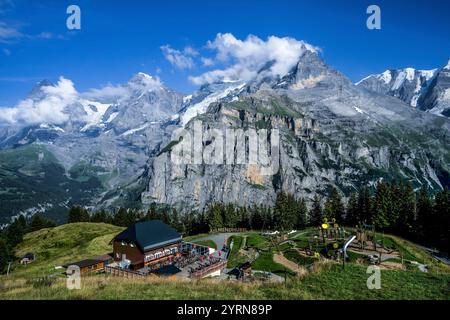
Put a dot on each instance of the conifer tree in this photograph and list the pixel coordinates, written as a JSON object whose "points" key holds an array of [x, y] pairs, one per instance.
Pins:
{"points": [[78, 214], [406, 222], [175, 221], [281, 212], [334, 208], [395, 207], [4, 255], [301, 214], [121, 218], [256, 217], [14, 233], [100, 216], [424, 214], [316, 213], [365, 206], [214, 216], [352, 217], [441, 216], [38, 222], [382, 215]]}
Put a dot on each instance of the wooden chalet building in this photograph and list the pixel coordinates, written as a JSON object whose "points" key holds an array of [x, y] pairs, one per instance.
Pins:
{"points": [[95, 264], [28, 258], [146, 243]]}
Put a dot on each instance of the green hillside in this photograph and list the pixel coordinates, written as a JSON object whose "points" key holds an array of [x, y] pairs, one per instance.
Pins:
{"points": [[327, 280], [31, 176], [66, 243]]}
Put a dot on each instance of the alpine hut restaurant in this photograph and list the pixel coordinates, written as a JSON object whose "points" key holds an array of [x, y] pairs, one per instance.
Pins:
{"points": [[146, 245]]}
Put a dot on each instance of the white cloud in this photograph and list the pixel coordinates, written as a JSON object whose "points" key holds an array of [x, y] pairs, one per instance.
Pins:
{"points": [[52, 105], [7, 52], [8, 33], [111, 93], [244, 58], [45, 35], [181, 60], [108, 93], [143, 81], [49, 109], [207, 62], [190, 51]]}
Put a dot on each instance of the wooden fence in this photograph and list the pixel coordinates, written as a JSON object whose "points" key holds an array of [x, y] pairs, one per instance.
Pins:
{"points": [[223, 230], [208, 270], [114, 271]]}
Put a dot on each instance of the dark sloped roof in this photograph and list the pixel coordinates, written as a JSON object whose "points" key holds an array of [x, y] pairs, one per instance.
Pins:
{"points": [[103, 258], [90, 262], [245, 265], [149, 234], [83, 263], [29, 255]]}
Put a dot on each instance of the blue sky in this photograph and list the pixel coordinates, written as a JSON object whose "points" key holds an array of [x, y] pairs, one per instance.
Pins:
{"points": [[120, 38]]}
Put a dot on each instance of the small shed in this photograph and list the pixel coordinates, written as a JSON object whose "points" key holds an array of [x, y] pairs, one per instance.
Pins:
{"points": [[94, 264], [28, 258], [246, 268], [106, 258], [235, 272]]}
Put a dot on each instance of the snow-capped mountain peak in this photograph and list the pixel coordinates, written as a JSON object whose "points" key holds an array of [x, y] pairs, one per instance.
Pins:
{"points": [[418, 88], [43, 83], [309, 71], [447, 67], [141, 77], [144, 75], [144, 82], [386, 76], [198, 103], [94, 113], [37, 92], [396, 77]]}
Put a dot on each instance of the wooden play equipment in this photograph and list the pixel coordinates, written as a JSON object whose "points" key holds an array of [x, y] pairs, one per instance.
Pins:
{"points": [[331, 231], [367, 243], [332, 236], [328, 241], [365, 237]]}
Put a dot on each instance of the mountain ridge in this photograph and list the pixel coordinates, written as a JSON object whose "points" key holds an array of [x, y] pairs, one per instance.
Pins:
{"points": [[426, 90], [333, 133], [320, 113]]}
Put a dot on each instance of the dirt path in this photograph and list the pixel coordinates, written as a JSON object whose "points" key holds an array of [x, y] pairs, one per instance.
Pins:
{"points": [[299, 270], [389, 265], [219, 238], [298, 235], [384, 256]]}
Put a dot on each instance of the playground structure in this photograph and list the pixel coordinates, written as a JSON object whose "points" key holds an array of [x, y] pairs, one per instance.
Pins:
{"points": [[332, 241], [333, 237], [327, 241], [300, 251], [331, 231], [367, 243], [365, 237], [295, 252]]}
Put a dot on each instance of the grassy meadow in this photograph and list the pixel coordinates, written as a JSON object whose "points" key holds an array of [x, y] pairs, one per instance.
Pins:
{"points": [[325, 280]]}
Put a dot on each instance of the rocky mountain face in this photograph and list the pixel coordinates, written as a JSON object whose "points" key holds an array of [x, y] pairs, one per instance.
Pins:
{"points": [[119, 151], [427, 90], [100, 148], [332, 134]]}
